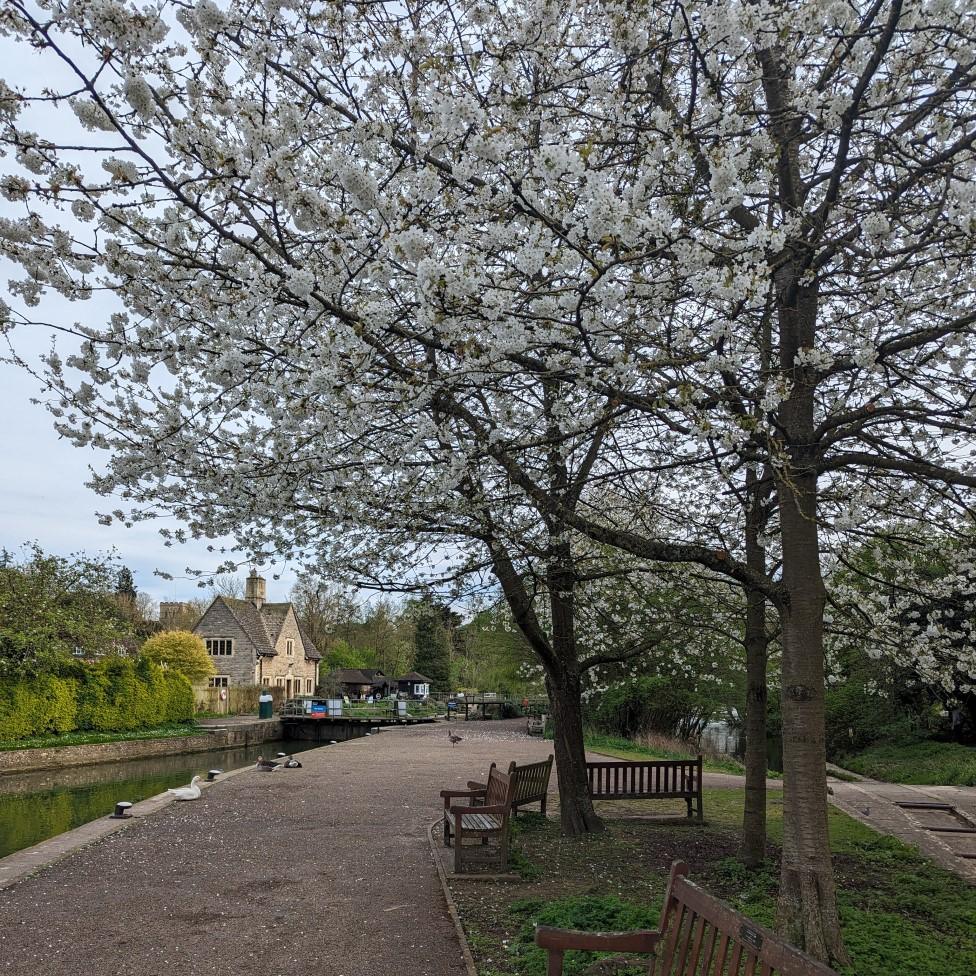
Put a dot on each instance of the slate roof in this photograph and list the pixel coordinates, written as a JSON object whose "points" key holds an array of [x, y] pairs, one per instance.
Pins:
{"points": [[415, 676], [251, 621], [361, 676]]}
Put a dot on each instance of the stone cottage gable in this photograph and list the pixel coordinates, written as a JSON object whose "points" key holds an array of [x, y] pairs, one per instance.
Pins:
{"points": [[241, 643], [282, 624]]}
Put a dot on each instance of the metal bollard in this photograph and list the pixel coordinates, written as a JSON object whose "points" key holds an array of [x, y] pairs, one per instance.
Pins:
{"points": [[212, 774], [121, 810]]}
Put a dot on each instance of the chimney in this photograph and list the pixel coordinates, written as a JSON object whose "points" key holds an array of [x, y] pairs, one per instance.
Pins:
{"points": [[255, 590]]}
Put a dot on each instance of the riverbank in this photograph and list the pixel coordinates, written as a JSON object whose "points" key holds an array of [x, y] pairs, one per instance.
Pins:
{"points": [[203, 740]]}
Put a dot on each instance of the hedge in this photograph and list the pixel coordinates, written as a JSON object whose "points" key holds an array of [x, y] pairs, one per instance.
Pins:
{"points": [[115, 695]]}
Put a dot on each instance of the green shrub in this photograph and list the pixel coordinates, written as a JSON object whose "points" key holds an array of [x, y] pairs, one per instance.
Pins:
{"points": [[652, 704], [114, 695]]}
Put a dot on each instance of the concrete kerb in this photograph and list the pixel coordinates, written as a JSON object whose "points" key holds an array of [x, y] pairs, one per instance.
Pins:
{"points": [[452, 911], [21, 864]]}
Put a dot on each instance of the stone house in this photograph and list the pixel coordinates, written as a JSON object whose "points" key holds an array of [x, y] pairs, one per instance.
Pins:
{"points": [[253, 642]]}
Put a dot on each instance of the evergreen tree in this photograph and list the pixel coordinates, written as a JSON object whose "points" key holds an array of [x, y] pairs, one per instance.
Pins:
{"points": [[432, 654], [125, 586]]}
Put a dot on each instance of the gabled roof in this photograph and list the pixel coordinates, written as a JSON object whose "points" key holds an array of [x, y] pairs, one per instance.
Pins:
{"points": [[274, 616], [352, 676], [415, 676], [251, 621], [311, 651]]}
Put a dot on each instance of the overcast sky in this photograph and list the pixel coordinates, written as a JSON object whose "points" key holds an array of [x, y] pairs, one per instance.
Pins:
{"points": [[43, 495]]}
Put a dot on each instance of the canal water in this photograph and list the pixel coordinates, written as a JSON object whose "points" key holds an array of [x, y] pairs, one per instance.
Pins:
{"points": [[35, 806]]}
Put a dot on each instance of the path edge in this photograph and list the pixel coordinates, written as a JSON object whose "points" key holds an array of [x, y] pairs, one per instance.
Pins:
{"points": [[469, 964], [25, 863]]}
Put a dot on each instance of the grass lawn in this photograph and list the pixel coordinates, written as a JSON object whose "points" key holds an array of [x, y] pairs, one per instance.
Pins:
{"points": [[922, 763], [87, 738], [901, 914]]}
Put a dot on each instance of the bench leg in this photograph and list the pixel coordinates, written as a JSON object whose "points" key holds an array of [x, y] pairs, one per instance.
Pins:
{"points": [[447, 829], [457, 846], [701, 812], [688, 801], [542, 807]]}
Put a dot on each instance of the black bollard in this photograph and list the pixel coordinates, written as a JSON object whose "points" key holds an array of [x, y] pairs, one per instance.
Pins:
{"points": [[121, 810], [212, 774]]}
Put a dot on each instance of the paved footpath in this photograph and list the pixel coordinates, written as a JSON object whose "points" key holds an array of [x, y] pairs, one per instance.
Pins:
{"points": [[323, 870], [880, 806]]}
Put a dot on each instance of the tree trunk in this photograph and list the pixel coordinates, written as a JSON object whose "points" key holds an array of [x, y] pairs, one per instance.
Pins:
{"points": [[807, 900], [576, 813], [807, 911], [564, 686], [752, 849]]}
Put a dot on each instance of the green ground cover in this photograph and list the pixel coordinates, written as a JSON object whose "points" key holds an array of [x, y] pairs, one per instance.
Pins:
{"points": [[900, 913], [921, 763], [609, 745], [89, 738]]}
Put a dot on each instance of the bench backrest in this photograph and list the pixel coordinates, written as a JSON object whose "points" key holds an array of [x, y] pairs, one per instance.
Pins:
{"points": [[500, 790], [531, 780], [700, 934], [645, 779]]}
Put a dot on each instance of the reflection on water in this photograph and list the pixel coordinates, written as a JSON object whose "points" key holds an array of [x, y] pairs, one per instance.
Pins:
{"points": [[35, 806], [725, 738]]}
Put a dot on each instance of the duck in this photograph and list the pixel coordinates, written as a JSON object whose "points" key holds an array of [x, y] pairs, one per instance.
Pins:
{"points": [[191, 792], [266, 765], [289, 762], [455, 739]]}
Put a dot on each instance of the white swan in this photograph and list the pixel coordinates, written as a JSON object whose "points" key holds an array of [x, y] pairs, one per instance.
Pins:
{"points": [[191, 792]]}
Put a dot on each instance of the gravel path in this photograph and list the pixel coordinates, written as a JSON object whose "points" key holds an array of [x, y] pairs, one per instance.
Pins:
{"points": [[323, 870]]}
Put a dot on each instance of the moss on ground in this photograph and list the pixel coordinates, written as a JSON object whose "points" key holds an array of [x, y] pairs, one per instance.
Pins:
{"points": [[900, 912], [920, 763]]}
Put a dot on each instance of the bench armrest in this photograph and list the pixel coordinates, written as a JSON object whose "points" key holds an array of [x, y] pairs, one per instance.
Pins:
{"points": [[448, 794], [478, 787], [495, 809], [563, 939]]}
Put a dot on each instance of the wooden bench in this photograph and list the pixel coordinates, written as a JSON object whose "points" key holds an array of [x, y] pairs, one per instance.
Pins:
{"points": [[531, 783], [651, 779], [531, 786], [536, 725], [489, 820], [698, 934]]}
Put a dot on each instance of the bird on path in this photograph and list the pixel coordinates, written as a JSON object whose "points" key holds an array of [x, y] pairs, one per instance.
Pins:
{"points": [[266, 765], [191, 792], [455, 739]]}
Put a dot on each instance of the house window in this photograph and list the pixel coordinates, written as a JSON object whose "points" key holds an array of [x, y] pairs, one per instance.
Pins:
{"points": [[219, 681], [308, 685], [290, 648], [280, 682], [220, 646]]}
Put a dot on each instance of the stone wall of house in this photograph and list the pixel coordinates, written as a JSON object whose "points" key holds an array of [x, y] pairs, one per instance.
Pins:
{"points": [[295, 667], [218, 621], [60, 757]]}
